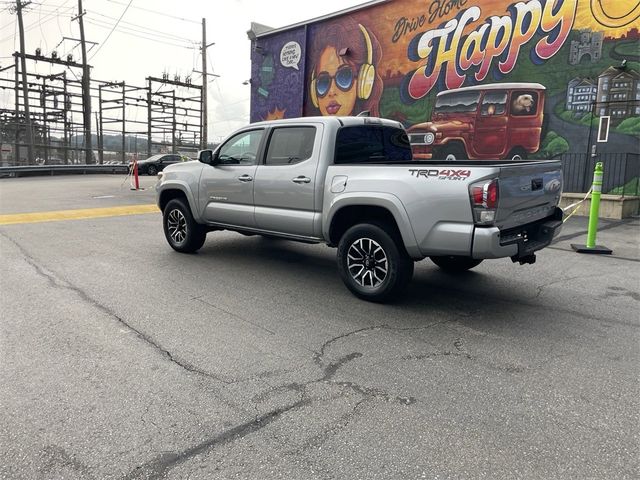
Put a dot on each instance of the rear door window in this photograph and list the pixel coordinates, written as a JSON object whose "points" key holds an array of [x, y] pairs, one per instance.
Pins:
{"points": [[371, 144], [290, 145], [494, 103]]}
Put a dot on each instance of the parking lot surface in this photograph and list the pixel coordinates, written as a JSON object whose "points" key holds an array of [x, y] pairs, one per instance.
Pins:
{"points": [[122, 359]]}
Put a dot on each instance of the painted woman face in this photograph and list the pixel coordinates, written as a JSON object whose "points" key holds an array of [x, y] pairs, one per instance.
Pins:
{"points": [[335, 84]]}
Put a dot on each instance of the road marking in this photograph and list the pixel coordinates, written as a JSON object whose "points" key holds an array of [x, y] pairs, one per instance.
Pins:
{"points": [[80, 214]]}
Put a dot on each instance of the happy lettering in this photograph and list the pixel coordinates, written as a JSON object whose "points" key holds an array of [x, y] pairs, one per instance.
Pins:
{"points": [[452, 56]]}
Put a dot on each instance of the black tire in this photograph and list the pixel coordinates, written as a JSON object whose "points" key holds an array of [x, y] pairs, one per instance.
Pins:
{"points": [[152, 170], [373, 284], [452, 152], [455, 264], [517, 154], [182, 232]]}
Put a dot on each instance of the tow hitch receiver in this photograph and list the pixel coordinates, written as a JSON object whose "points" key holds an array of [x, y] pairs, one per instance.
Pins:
{"points": [[528, 259]]}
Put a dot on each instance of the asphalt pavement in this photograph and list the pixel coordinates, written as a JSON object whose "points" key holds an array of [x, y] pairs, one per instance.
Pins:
{"points": [[122, 359]]}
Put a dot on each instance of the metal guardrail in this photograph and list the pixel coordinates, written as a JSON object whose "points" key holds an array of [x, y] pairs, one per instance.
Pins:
{"points": [[33, 170]]}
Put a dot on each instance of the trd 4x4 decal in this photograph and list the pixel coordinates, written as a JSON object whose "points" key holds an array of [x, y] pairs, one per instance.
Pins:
{"points": [[446, 174]]}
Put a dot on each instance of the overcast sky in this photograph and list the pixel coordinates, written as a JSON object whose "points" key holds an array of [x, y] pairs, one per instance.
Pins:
{"points": [[126, 55]]}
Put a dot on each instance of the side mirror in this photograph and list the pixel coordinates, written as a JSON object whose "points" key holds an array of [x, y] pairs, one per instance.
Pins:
{"points": [[205, 156]]}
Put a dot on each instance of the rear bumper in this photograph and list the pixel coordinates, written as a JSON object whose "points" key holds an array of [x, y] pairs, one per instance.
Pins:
{"points": [[518, 243]]}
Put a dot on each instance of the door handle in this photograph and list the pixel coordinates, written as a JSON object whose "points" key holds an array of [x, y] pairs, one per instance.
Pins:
{"points": [[245, 178], [301, 179]]}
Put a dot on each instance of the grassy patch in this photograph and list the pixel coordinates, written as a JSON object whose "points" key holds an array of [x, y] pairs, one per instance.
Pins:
{"points": [[632, 187]]}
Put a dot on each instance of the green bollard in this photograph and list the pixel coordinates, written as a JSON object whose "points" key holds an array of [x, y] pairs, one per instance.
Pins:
{"points": [[596, 191]]}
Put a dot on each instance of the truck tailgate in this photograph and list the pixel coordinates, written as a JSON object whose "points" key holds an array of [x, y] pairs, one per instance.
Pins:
{"points": [[528, 192]]}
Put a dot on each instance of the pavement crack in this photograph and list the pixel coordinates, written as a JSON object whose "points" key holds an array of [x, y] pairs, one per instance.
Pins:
{"points": [[331, 369], [373, 392], [341, 423], [541, 288], [289, 387], [234, 315], [446, 353], [143, 417], [415, 329], [317, 357], [59, 283], [621, 292], [158, 467]]}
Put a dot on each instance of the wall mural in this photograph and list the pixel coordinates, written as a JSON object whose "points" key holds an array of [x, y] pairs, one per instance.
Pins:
{"points": [[277, 76], [468, 78]]}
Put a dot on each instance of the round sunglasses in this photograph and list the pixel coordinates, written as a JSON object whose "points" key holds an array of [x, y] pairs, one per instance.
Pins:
{"points": [[343, 79]]}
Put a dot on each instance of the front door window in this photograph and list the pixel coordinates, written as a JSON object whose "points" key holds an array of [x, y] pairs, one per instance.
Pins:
{"points": [[241, 149]]}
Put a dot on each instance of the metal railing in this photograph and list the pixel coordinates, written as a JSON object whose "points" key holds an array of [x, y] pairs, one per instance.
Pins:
{"points": [[33, 170], [621, 172]]}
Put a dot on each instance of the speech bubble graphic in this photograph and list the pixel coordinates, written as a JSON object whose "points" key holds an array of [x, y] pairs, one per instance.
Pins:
{"points": [[290, 55]]}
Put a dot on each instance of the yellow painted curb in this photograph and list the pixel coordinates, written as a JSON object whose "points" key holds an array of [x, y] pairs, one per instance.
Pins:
{"points": [[80, 214]]}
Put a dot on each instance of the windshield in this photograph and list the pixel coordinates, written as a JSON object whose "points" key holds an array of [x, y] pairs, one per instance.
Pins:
{"points": [[458, 102]]}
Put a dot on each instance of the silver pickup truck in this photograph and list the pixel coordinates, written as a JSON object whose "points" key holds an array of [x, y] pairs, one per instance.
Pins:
{"points": [[351, 183]]}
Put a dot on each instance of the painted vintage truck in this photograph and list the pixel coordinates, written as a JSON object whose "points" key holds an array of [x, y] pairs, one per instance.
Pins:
{"points": [[483, 122], [352, 183]]}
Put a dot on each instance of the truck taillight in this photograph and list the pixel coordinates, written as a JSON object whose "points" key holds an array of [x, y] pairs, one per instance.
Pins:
{"points": [[484, 199]]}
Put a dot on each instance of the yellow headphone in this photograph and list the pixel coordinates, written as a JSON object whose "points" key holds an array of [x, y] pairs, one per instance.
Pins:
{"points": [[366, 75]]}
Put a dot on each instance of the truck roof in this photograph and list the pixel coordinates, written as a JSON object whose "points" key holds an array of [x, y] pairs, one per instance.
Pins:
{"points": [[495, 86], [350, 121]]}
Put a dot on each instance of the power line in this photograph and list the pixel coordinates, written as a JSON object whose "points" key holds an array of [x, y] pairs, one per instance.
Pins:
{"points": [[157, 13], [8, 25], [114, 27], [125, 32], [145, 29], [46, 45], [142, 31], [34, 25]]}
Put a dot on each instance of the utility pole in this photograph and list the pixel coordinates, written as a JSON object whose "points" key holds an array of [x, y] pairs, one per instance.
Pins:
{"points": [[16, 153], [25, 87], [203, 136], [86, 92]]}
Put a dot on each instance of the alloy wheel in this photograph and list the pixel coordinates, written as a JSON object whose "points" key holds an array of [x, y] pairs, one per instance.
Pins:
{"points": [[367, 262], [177, 226]]}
